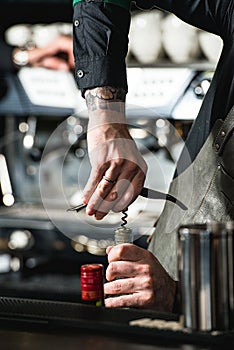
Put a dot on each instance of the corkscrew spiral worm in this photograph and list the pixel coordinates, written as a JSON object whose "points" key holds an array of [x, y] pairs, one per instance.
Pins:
{"points": [[124, 217]]}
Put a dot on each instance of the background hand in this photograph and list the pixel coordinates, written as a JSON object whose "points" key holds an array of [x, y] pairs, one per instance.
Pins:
{"points": [[57, 55]]}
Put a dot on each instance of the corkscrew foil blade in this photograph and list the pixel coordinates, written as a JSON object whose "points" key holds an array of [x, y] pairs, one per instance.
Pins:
{"points": [[77, 208]]}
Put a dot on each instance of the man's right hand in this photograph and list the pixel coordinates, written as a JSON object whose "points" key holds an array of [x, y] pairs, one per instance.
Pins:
{"points": [[118, 169]]}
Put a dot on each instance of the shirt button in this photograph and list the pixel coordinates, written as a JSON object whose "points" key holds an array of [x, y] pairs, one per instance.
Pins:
{"points": [[80, 73], [76, 23]]}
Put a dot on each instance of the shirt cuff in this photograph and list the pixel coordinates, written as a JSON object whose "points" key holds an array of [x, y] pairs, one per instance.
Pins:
{"points": [[107, 73]]}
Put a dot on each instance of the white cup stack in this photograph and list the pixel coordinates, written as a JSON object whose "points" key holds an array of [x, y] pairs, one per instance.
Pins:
{"points": [[145, 41], [180, 40]]}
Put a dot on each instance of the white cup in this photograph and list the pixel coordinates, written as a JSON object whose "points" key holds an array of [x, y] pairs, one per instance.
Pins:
{"points": [[211, 45], [180, 40], [145, 41], [43, 35], [18, 35]]}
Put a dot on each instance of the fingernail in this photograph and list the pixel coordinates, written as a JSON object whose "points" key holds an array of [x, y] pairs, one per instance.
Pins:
{"points": [[98, 217], [89, 212]]}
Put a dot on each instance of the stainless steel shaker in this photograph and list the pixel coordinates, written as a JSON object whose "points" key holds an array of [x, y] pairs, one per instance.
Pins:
{"points": [[205, 266]]}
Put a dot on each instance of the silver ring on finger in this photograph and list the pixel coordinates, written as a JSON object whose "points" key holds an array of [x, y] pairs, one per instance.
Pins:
{"points": [[108, 180]]}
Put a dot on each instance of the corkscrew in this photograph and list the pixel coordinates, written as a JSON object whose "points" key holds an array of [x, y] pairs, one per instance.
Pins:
{"points": [[124, 218], [147, 193], [123, 234]]}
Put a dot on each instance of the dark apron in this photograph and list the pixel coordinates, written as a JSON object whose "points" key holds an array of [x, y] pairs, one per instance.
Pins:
{"points": [[206, 187]]}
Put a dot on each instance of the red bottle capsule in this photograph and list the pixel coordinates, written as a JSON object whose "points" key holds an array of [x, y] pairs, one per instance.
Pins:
{"points": [[92, 279]]}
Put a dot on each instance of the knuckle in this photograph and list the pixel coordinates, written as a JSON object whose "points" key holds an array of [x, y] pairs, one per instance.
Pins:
{"points": [[117, 287], [102, 188], [147, 283], [131, 284], [113, 196], [145, 298], [148, 298], [118, 162], [145, 270], [103, 185], [122, 302], [140, 300], [132, 166], [120, 250]]}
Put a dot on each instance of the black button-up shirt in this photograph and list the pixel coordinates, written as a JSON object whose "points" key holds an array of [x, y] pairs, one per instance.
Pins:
{"points": [[101, 42]]}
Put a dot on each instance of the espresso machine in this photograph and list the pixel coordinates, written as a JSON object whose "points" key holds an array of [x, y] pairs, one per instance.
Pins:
{"points": [[44, 161]]}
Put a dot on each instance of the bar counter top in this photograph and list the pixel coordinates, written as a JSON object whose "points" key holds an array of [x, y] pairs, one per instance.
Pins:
{"points": [[39, 324]]}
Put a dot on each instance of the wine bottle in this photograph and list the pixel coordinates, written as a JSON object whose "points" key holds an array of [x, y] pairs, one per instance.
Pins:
{"points": [[92, 281]]}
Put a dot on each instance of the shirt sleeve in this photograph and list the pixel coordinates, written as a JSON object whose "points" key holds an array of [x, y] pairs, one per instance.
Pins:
{"points": [[208, 15], [100, 41]]}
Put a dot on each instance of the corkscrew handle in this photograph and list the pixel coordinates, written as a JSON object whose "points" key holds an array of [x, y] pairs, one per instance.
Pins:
{"points": [[153, 194]]}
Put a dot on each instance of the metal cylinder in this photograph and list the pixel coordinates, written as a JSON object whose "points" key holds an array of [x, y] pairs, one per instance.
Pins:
{"points": [[205, 266]]}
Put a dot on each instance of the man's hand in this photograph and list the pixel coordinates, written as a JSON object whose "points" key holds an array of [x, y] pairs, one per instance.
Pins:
{"points": [[143, 281], [118, 169]]}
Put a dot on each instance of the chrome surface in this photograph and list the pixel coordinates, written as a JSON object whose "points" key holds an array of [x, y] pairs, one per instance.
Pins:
{"points": [[205, 254]]}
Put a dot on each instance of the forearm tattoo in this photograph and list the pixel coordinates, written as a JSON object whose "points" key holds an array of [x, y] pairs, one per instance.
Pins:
{"points": [[104, 97]]}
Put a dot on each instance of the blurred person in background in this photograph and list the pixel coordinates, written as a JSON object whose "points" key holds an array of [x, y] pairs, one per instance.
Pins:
{"points": [[57, 55]]}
